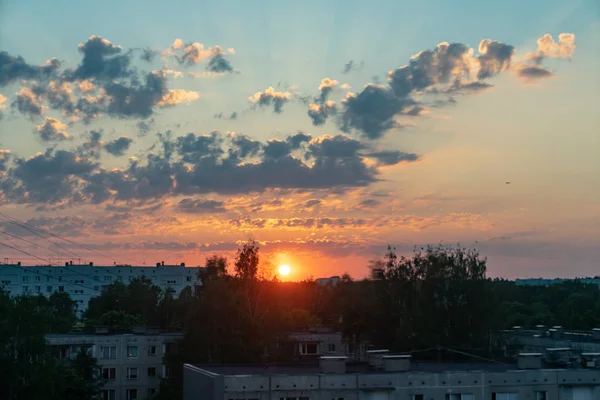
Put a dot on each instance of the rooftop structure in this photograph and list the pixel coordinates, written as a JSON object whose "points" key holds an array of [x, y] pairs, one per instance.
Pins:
{"points": [[399, 378], [84, 281]]}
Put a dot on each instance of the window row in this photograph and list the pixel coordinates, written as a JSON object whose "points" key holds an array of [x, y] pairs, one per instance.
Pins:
{"points": [[108, 352], [110, 374], [130, 394]]}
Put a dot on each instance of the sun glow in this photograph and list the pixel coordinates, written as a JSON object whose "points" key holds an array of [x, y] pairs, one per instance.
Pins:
{"points": [[284, 270]]}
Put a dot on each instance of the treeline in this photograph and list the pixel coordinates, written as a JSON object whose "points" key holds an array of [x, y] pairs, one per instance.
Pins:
{"points": [[440, 297]]}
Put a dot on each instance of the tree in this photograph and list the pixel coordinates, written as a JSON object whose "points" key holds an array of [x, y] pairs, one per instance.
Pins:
{"points": [[247, 261], [215, 267]]}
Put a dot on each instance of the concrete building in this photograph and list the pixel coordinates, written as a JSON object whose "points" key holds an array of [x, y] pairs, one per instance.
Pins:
{"points": [[540, 338], [399, 379], [82, 282], [132, 364]]}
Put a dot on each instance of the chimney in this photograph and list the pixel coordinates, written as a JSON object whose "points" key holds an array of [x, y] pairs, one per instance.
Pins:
{"points": [[183, 264], [162, 263], [158, 264], [19, 263], [529, 361], [91, 264], [333, 364], [66, 264], [396, 362], [375, 358]]}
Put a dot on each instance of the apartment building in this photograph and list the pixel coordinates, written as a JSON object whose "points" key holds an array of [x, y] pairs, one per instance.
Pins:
{"points": [[397, 378], [132, 364], [84, 281]]}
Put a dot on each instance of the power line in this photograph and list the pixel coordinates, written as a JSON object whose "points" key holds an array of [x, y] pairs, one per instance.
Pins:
{"points": [[39, 273], [103, 254]]}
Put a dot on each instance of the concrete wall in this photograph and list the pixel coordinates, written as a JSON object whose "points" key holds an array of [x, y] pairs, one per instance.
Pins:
{"points": [[202, 385]]}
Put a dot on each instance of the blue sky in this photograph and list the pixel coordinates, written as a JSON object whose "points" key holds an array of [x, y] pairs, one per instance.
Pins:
{"points": [[541, 134]]}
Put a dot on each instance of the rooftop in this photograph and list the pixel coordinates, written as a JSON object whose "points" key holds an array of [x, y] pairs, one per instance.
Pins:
{"points": [[353, 368]]}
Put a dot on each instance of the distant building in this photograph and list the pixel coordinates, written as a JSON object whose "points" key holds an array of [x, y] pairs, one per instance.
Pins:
{"points": [[132, 364], [82, 282], [331, 281], [549, 282], [398, 379], [542, 338]]}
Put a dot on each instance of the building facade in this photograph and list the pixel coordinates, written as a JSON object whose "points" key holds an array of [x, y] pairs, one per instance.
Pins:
{"points": [[132, 364], [82, 282], [419, 382]]}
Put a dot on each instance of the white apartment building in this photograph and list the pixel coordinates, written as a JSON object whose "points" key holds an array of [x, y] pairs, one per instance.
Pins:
{"points": [[132, 364], [82, 282]]}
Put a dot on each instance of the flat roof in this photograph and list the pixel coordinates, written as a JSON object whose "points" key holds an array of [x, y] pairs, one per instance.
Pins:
{"points": [[352, 368]]}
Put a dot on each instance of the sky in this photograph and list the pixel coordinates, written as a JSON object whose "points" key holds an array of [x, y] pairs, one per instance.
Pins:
{"points": [[325, 130]]}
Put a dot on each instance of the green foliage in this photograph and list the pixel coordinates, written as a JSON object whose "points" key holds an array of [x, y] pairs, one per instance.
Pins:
{"points": [[247, 261]]}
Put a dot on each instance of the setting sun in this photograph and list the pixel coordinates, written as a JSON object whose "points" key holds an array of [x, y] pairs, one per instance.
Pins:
{"points": [[284, 270]]}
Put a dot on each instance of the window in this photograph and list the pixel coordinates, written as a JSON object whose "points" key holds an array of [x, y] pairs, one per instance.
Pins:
{"points": [[107, 278], [37, 278], [541, 395], [171, 282], [132, 373], [49, 289], [96, 278], [331, 347], [79, 281], [107, 352], [61, 288], [25, 289], [504, 396], [78, 291], [308, 348], [60, 278], [418, 397], [151, 392], [97, 288], [131, 394], [132, 351], [294, 398], [188, 278], [38, 288], [459, 396], [151, 371], [6, 282], [108, 394], [25, 279], [109, 373], [151, 350]]}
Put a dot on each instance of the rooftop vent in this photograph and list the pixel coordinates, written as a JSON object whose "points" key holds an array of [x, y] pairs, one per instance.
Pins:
{"points": [[396, 362], [529, 360], [375, 358], [596, 333], [333, 364], [591, 360]]}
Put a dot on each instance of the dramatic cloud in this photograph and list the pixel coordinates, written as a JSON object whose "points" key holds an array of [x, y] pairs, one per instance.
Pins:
{"points": [[243, 146], [52, 130], [495, 57], [219, 64], [276, 149], [177, 96], [192, 206], [119, 146], [101, 60], [319, 113], [126, 100], [15, 68], [532, 69], [271, 97], [28, 103], [325, 88]]}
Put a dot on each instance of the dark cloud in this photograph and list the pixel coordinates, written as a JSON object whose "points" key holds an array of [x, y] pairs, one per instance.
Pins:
{"points": [[530, 72], [4, 159], [101, 60], [52, 130], [296, 140], [334, 146], [243, 146], [393, 157], [495, 57], [371, 111], [193, 148], [126, 100], [276, 149], [352, 66], [271, 98], [15, 68], [311, 203], [219, 64], [28, 103], [119, 146], [92, 145], [369, 203], [319, 113], [192, 206], [47, 178]]}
